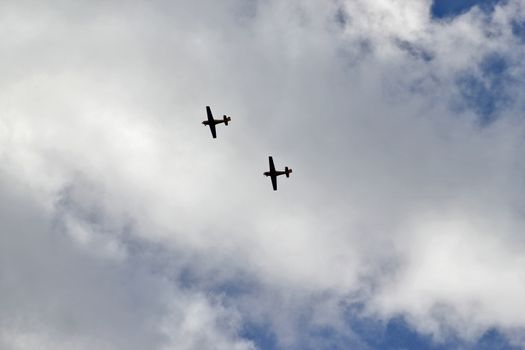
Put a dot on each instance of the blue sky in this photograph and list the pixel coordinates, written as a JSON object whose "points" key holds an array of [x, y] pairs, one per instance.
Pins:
{"points": [[449, 8], [487, 95], [126, 226], [393, 334]]}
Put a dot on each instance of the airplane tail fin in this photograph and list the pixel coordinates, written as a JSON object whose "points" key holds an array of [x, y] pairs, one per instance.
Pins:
{"points": [[287, 171], [226, 120]]}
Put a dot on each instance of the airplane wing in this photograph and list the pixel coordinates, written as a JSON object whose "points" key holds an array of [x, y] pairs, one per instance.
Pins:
{"points": [[213, 131], [210, 116], [272, 167], [211, 122], [274, 182]]}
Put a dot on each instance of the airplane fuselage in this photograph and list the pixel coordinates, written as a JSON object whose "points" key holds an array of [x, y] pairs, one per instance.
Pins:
{"points": [[275, 173], [215, 122]]}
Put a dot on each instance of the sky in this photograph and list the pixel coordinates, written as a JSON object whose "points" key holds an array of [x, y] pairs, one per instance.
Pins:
{"points": [[124, 225]]}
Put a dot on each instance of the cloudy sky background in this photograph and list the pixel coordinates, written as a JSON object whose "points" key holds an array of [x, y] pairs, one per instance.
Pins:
{"points": [[124, 225]]}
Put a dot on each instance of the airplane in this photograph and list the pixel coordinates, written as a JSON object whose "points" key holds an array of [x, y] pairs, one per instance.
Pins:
{"points": [[273, 173], [212, 122]]}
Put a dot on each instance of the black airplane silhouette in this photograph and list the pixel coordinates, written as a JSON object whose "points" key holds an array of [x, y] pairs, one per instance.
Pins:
{"points": [[273, 173], [212, 122]]}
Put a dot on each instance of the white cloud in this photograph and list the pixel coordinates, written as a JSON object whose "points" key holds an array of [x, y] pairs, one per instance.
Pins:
{"points": [[197, 324], [395, 197]]}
